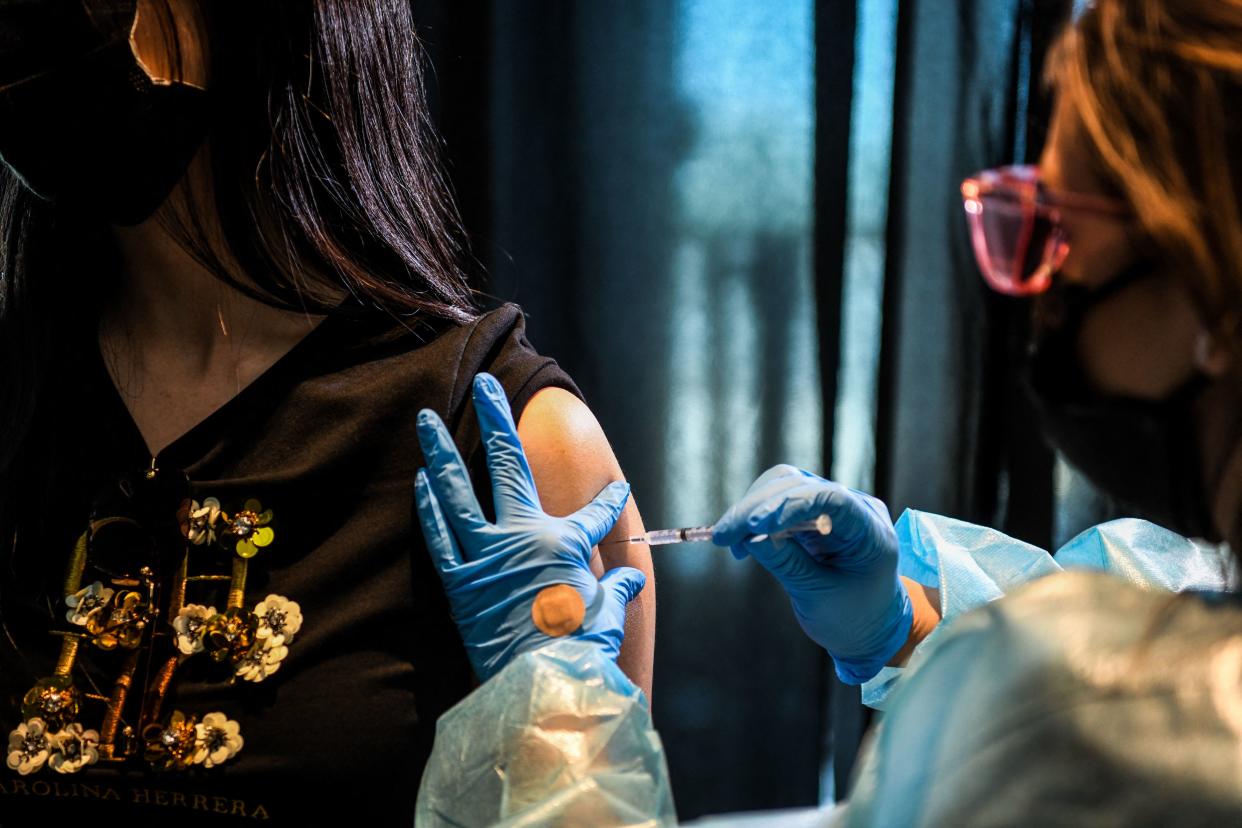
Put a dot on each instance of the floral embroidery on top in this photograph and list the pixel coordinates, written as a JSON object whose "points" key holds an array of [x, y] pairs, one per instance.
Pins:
{"points": [[218, 739], [120, 623], [86, 602], [250, 529], [279, 619], [28, 746], [198, 521], [262, 660], [73, 749], [229, 635], [121, 616], [54, 700], [189, 627], [172, 746], [67, 751], [185, 741]]}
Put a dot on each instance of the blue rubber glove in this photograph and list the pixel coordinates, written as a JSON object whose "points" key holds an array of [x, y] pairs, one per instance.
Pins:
{"points": [[843, 586], [493, 571]]}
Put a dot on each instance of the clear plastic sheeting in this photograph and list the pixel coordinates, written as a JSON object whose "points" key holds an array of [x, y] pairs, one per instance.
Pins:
{"points": [[831, 817], [559, 737], [1079, 699]]}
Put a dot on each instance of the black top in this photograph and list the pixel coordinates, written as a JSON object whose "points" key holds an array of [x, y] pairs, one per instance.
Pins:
{"points": [[325, 440]]}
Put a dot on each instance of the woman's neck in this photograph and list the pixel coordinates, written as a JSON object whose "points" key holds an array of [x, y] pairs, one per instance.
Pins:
{"points": [[168, 299], [180, 342], [1226, 502], [1218, 425]]}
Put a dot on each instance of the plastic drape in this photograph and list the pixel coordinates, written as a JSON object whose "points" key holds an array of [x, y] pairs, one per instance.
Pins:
{"points": [[559, 737], [1080, 699]]}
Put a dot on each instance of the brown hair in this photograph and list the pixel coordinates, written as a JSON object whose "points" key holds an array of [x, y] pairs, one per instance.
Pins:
{"points": [[1157, 86]]}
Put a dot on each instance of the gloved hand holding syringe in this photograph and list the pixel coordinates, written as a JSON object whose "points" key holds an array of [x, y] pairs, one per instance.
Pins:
{"points": [[703, 534], [835, 552]]}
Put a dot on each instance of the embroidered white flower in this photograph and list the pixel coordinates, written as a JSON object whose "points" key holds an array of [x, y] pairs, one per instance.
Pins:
{"points": [[218, 739], [202, 522], [279, 619], [28, 746], [73, 749], [189, 626], [86, 602], [263, 659]]}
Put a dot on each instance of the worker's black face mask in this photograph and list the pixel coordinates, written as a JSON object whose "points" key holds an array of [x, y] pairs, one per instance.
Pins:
{"points": [[81, 123], [1140, 452]]}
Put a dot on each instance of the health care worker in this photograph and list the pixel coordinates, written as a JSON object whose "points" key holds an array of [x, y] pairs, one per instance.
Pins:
{"points": [[1108, 694]]}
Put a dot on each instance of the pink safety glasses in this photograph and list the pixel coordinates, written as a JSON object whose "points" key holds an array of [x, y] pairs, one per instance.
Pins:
{"points": [[1016, 229]]}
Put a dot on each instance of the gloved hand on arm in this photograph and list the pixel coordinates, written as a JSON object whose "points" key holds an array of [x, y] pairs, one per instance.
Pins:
{"points": [[843, 586], [558, 735], [497, 575]]}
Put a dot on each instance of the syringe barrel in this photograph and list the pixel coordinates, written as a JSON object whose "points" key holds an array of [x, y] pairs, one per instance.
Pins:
{"points": [[657, 537], [690, 534]]}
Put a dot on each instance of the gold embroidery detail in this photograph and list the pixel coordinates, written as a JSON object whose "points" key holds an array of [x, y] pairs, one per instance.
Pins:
{"points": [[171, 746], [120, 617]]}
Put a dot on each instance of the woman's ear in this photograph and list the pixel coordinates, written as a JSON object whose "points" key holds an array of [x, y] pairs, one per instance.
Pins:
{"points": [[1211, 355]]}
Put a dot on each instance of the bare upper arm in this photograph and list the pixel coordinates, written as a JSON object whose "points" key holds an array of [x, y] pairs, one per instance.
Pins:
{"points": [[572, 461]]}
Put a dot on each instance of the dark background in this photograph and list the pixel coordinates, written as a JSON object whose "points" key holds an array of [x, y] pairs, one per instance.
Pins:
{"points": [[737, 225]]}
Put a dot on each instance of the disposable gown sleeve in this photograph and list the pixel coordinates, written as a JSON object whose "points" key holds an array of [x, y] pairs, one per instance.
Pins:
{"points": [[974, 565], [558, 737]]}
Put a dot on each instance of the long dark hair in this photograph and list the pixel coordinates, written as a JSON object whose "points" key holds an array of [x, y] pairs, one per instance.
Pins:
{"points": [[325, 180]]}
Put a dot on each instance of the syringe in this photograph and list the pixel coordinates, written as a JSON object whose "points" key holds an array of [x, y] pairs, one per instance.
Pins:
{"points": [[703, 534]]}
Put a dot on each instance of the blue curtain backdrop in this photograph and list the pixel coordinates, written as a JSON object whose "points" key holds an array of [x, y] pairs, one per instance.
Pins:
{"points": [[652, 175], [737, 225]]}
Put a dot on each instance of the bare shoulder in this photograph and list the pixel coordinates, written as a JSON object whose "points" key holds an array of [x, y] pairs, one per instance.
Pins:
{"points": [[572, 460], [568, 451]]}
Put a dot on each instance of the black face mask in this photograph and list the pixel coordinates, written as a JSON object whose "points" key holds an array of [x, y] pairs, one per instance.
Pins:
{"points": [[81, 123], [1141, 452]]}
